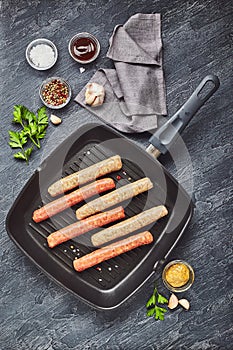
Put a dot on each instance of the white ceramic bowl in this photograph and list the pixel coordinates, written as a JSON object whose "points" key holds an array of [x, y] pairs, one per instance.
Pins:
{"points": [[33, 44]]}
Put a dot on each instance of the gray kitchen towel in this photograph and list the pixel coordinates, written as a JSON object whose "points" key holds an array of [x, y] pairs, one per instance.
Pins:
{"points": [[135, 89]]}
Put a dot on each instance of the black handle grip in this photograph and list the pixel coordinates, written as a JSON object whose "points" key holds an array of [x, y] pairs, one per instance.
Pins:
{"points": [[167, 134]]}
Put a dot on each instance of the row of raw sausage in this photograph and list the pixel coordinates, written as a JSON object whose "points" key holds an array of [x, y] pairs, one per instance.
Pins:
{"points": [[88, 213]]}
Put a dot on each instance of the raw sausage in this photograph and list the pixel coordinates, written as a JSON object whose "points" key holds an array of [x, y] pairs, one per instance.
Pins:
{"points": [[130, 225], [112, 250], [115, 197], [85, 175], [83, 226], [72, 198]]}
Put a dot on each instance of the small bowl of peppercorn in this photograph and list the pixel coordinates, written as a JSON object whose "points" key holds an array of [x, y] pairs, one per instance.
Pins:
{"points": [[55, 92]]}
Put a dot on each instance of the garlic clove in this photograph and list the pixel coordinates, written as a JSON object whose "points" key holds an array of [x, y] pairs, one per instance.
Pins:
{"points": [[173, 302], [55, 120], [185, 303], [82, 70], [94, 95], [89, 99]]}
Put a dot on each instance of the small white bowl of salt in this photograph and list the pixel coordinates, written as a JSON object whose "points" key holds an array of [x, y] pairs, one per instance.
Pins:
{"points": [[41, 54]]}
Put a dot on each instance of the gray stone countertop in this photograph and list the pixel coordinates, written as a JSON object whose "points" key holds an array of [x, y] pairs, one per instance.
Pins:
{"points": [[36, 313]]}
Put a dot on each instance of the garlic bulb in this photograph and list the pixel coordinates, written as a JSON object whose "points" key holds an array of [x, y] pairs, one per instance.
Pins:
{"points": [[94, 95]]}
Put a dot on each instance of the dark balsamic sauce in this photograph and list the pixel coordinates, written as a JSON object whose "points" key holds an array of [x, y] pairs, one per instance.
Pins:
{"points": [[84, 49]]}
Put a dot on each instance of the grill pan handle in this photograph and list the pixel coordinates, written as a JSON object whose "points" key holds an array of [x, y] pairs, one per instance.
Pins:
{"points": [[164, 137]]}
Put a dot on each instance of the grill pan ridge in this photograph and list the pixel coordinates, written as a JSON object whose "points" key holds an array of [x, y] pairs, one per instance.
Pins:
{"points": [[110, 283]]}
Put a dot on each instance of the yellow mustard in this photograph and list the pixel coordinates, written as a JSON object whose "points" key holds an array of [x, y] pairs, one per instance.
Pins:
{"points": [[177, 275]]}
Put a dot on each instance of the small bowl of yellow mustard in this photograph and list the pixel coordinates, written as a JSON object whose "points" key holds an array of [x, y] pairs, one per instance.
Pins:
{"points": [[178, 276]]}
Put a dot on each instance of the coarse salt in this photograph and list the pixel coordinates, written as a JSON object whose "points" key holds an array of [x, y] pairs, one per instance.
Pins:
{"points": [[42, 55]]}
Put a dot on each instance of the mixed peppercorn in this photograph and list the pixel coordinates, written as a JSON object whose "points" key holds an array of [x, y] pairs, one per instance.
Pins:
{"points": [[55, 92]]}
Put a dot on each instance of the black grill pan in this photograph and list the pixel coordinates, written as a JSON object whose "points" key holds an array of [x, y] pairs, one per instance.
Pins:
{"points": [[110, 283]]}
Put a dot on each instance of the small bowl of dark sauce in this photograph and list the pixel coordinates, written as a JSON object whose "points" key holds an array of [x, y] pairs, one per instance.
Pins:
{"points": [[84, 47]]}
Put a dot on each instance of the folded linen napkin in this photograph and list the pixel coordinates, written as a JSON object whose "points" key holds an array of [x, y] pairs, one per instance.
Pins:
{"points": [[135, 89]]}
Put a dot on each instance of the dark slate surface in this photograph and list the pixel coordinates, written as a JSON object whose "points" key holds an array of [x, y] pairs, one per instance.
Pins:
{"points": [[37, 314]]}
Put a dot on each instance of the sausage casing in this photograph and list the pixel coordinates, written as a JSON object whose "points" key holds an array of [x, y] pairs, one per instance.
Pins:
{"points": [[83, 226], [115, 197], [85, 175], [72, 198], [112, 250], [130, 225]]}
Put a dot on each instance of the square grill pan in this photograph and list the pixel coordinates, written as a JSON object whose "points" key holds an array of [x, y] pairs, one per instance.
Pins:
{"points": [[109, 284]]}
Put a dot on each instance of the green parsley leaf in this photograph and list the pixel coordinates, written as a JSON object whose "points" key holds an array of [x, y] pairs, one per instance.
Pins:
{"points": [[30, 118], [24, 154], [28, 152], [153, 309], [151, 301], [150, 312], [25, 113], [17, 139], [42, 116], [33, 129], [162, 299], [17, 113], [159, 313], [20, 155], [41, 132]]}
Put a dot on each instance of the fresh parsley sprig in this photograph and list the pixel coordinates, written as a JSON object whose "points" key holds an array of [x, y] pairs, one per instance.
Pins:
{"points": [[153, 305], [18, 140], [33, 129]]}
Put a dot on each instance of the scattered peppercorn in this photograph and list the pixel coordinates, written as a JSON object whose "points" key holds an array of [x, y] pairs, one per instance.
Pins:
{"points": [[118, 177]]}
